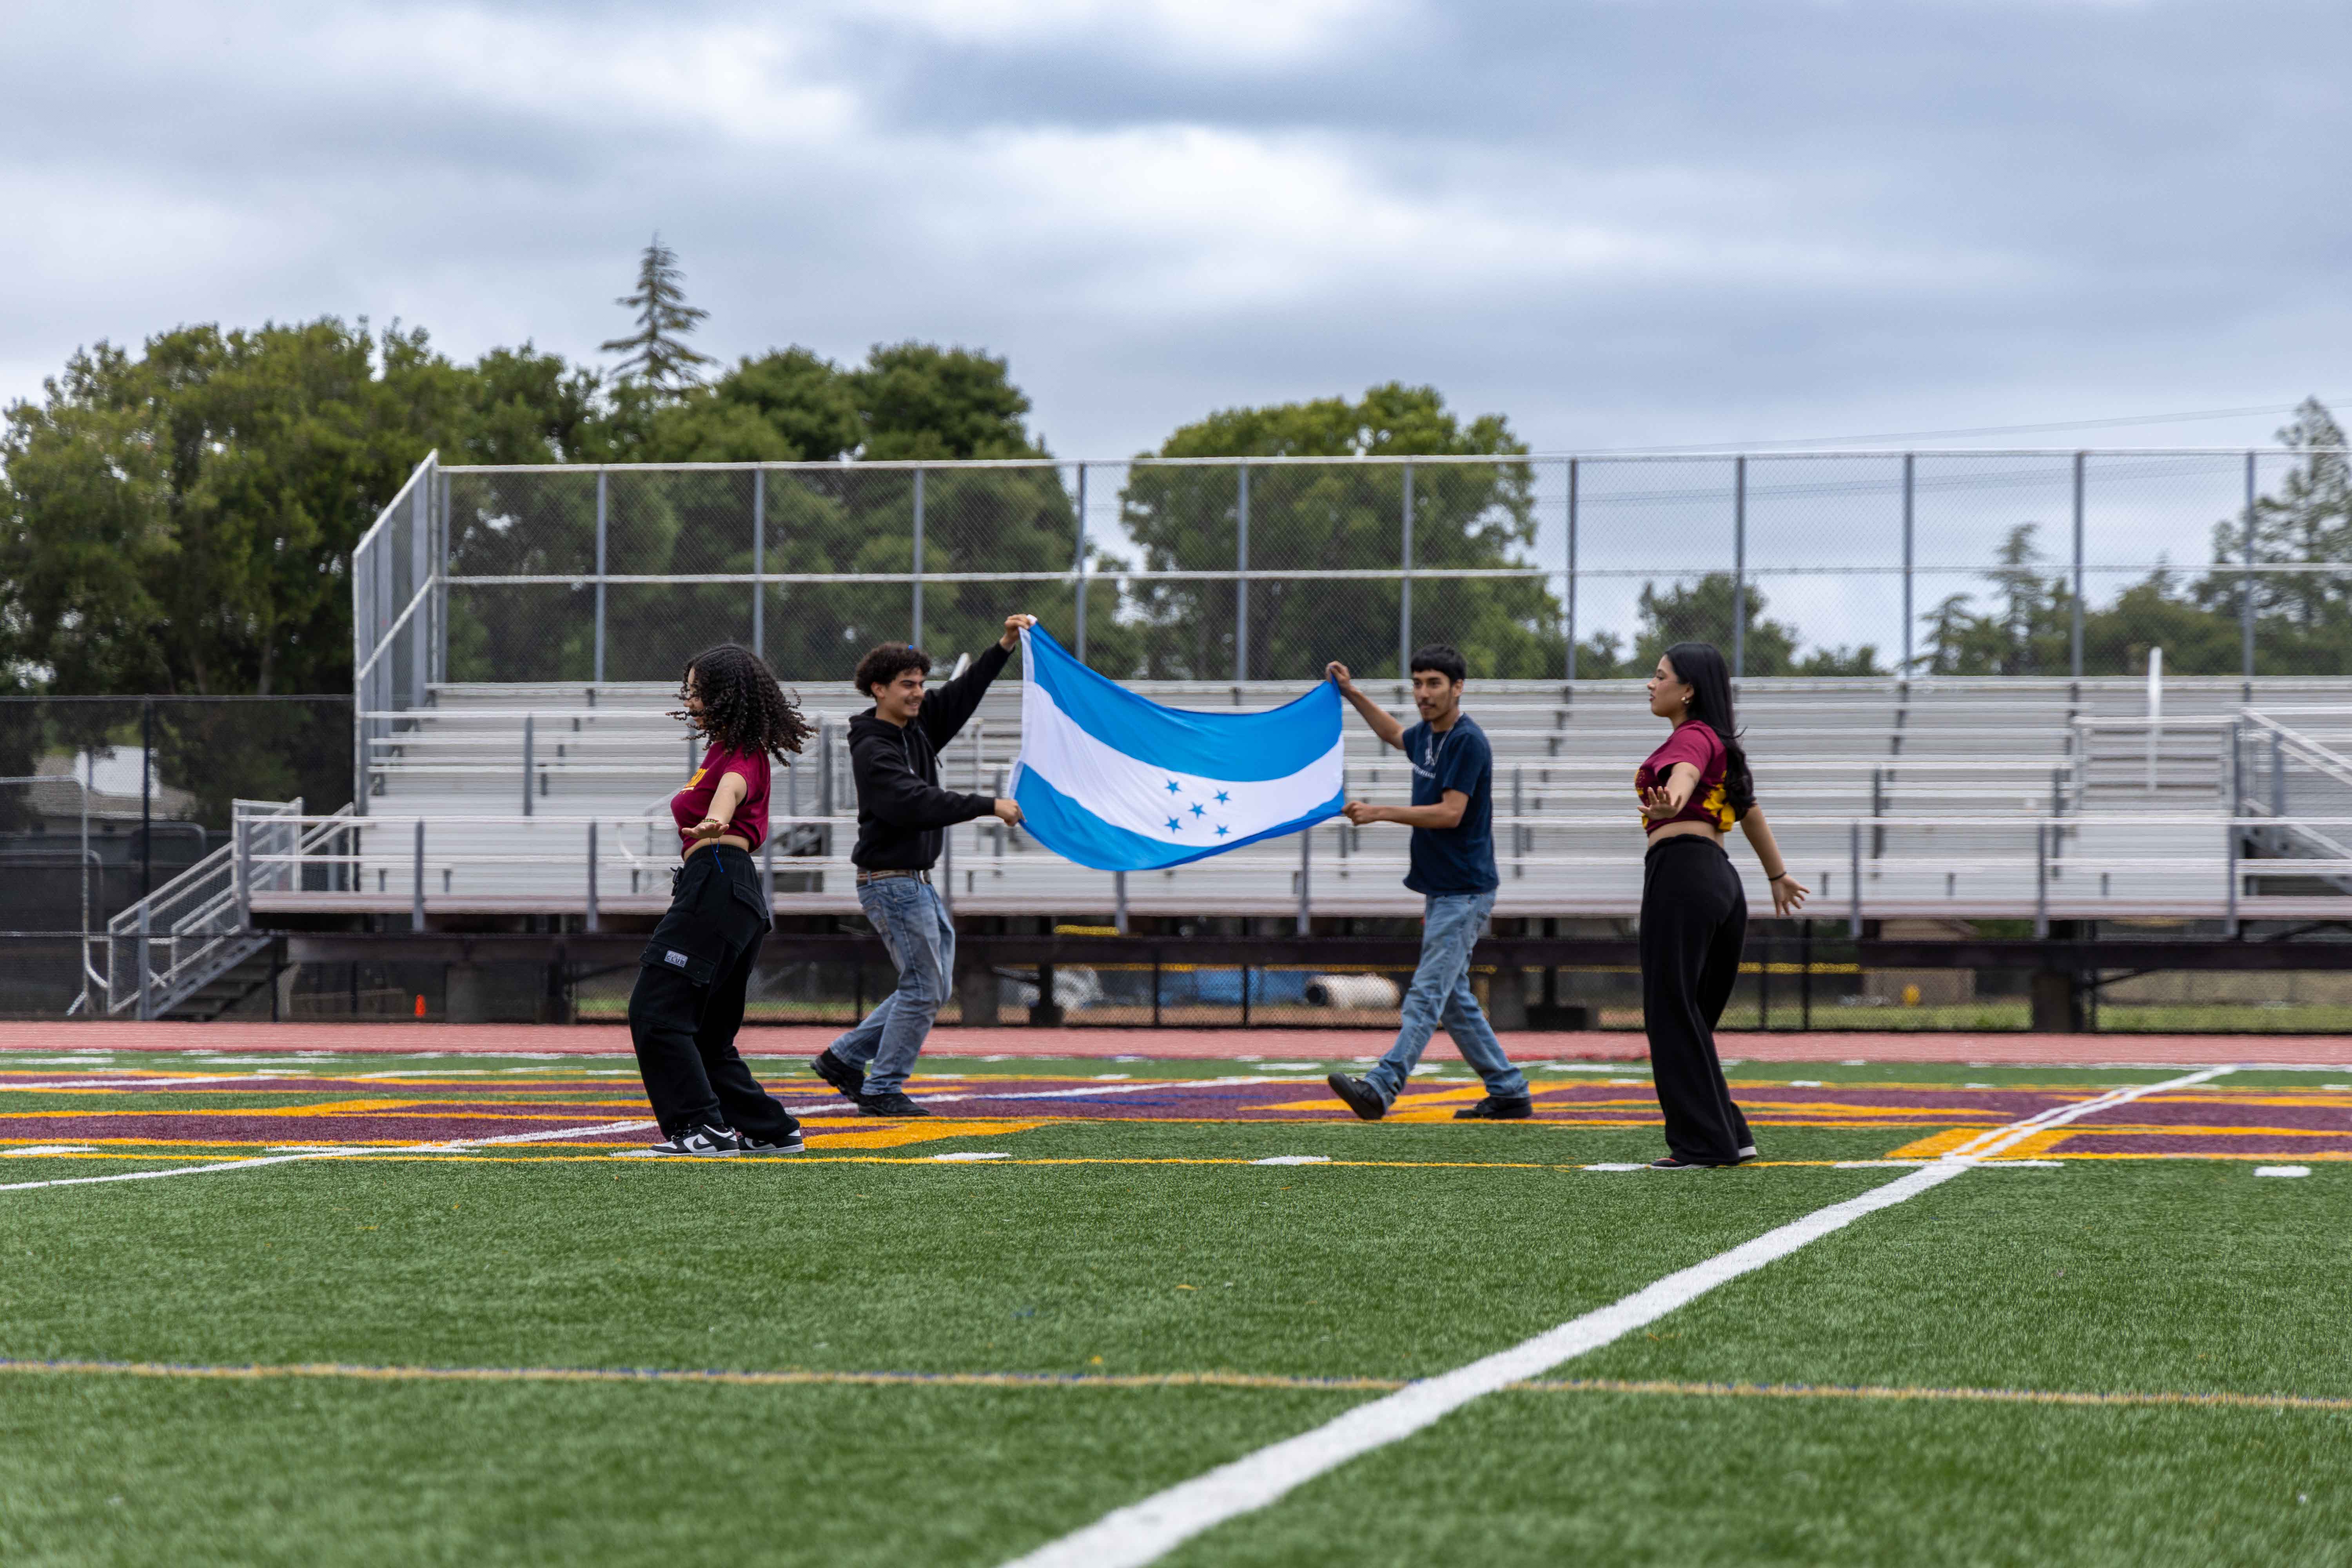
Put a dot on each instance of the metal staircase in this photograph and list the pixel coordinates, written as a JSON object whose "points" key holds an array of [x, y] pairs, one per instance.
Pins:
{"points": [[188, 950]]}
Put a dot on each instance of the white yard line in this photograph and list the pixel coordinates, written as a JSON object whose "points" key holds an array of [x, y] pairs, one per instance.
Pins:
{"points": [[335, 1154], [1143, 1532]]}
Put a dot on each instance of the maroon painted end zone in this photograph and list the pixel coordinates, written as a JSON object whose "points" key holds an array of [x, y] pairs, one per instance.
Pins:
{"points": [[595, 1039]]}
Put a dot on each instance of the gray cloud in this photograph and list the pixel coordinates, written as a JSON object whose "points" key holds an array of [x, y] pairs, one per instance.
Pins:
{"points": [[1619, 223]]}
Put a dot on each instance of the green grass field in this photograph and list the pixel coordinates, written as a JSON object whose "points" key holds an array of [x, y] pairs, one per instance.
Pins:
{"points": [[422, 1360]]}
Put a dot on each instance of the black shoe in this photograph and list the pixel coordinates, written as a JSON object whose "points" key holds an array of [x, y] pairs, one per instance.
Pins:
{"points": [[1517, 1108], [1675, 1163], [702, 1142], [838, 1073], [1361, 1098], [894, 1103], [788, 1142]]}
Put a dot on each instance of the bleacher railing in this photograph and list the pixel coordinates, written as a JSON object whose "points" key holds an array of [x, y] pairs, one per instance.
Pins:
{"points": [[1549, 565]]}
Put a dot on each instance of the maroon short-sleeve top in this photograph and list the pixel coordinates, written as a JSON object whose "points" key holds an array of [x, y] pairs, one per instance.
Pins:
{"points": [[1694, 741]]}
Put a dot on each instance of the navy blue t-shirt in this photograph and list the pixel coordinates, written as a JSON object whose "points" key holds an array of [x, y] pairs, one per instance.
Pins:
{"points": [[1452, 860]]}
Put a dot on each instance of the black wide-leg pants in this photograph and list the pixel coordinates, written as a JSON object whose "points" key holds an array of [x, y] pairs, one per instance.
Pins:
{"points": [[1694, 922], [688, 1000]]}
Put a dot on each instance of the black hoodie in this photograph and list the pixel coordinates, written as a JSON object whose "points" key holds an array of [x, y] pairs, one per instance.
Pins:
{"points": [[901, 809]]}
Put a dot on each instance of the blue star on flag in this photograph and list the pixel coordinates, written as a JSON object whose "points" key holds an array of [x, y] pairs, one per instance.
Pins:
{"points": [[1222, 830], [1174, 824], [1223, 799], [1173, 787], [1197, 809]]}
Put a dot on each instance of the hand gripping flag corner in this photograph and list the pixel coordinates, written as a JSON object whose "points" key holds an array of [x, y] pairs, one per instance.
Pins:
{"points": [[1117, 782]]}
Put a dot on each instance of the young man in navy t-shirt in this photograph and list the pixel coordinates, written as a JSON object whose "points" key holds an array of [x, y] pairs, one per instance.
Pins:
{"points": [[1452, 822]]}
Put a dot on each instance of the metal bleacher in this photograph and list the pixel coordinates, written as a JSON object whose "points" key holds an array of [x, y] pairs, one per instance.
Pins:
{"points": [[1957, 798]]}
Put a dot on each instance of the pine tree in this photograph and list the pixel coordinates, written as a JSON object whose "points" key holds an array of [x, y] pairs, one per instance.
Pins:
{"points": [[657, 352]]}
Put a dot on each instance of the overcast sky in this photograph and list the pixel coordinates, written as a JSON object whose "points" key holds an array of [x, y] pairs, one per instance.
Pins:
{"points": [[1620, 223]]}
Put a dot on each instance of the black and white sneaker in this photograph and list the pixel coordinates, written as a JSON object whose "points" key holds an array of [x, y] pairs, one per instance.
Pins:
{"points": [[701, 1142], [1517, 1108], [893, 1103], [848, 1080], [786, 1143], [1361, 1098], [1675, 1163]]}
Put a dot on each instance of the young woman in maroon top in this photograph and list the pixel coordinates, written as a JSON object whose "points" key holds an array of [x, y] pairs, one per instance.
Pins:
{"points": [[1693, 914], [691, 977]]}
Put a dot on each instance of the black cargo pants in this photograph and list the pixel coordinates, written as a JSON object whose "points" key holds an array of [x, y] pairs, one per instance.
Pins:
{"points": [[1694, 923], [688, 1000]]}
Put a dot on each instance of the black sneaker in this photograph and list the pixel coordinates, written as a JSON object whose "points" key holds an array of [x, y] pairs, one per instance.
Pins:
{"points": [[838, 1073], [786, 1143], [1675, 1163], [1517, 1108], [894, 1103], [1361, 1098], [703, 1142]]}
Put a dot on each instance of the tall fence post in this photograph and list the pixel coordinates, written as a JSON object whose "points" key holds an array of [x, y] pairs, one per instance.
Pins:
{"points": [[915, 638], [528, 740], [1404, 587], [1118, 901], [441, 575], [1853, 880], [2041, 879], [2230, 828], [1079, 613], [1739, 567], [1571, 568], [420, 578], [2075, 640], [1240, 574], [591, 921], [2246, 594], [759, 562], [243, 825], [145, 967], [1306, 880], [604, 490], [416, 884], [146, 796], [1909, 464]]}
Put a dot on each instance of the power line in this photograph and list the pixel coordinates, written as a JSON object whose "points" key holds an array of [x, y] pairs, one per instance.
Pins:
{"points": [[2107, 424]]}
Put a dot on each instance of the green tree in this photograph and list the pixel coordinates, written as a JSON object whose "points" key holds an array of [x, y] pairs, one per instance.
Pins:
{"points": [[1702, 612], [658, 354], [1319, 522]]}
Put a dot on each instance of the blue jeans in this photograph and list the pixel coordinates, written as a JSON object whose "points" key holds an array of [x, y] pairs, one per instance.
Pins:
{"points": [[1441, 992], [914, 927]]}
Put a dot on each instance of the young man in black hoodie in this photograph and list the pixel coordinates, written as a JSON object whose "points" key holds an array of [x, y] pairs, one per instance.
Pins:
{"points": [[902, 815]]}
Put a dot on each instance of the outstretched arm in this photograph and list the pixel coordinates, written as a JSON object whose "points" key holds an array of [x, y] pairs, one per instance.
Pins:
{"points": [[1446, 812], [1787, 893], [1378, 719], [723, 802]]}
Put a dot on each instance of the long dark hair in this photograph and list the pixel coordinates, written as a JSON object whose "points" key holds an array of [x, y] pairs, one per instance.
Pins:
{"points": [[1700, 667], [743, 709]]}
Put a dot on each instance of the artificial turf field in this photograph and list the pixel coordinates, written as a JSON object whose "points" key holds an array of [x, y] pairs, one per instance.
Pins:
{"points": [[421, 1334]]}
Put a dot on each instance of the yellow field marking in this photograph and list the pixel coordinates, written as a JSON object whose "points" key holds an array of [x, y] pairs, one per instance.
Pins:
{"points": [[798, 1377], [1935, 1143], [891, 1137]]}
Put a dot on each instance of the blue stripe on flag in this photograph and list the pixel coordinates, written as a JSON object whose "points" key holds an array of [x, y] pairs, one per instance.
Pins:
{"points": [[1242, 748], [1070, 830]]}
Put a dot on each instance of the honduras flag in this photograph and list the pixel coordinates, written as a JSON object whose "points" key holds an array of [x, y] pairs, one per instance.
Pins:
{"points": [[1114, 781]]}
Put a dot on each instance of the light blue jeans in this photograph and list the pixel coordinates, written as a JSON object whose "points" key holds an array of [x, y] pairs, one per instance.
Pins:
{"points": [[1441, 992], [914, 927]]}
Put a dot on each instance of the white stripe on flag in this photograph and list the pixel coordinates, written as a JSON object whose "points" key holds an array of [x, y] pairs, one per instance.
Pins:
{"points": [[1129, 792]]}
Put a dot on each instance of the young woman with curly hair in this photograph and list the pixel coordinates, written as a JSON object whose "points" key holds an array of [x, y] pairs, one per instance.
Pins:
{"points": [[1693, 914], [688, 1000]]}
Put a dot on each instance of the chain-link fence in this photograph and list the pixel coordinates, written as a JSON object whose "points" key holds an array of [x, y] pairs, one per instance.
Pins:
{"points": [[1946, 562], [105, 799]]}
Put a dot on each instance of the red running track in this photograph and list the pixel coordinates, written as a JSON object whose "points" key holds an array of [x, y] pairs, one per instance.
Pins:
{"points": [[1273, 1045]]}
